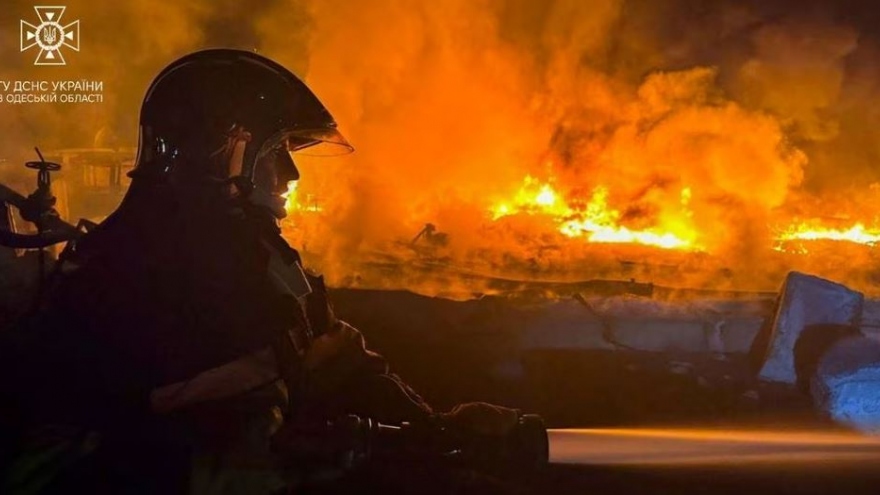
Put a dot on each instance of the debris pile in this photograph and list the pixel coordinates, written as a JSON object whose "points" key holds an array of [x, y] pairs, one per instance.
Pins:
{"points": [[824, 338]]}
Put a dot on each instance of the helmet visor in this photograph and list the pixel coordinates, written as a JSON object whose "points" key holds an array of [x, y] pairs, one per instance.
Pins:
{"points": [[325, 141]]}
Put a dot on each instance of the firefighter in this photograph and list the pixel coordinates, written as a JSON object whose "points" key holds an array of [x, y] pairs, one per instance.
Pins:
{"points": [[188, 332]]}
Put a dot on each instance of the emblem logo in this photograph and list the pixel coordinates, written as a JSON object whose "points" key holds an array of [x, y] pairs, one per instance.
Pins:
{"points": [[50, 35]]}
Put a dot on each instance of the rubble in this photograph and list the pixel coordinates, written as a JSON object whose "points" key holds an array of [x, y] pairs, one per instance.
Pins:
{"points": [[846, 384], [804, 300], [643, 359], [825, 338]]}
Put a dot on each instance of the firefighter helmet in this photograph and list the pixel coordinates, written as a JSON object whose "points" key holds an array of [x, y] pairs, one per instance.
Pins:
{"points": [[216, 114]]}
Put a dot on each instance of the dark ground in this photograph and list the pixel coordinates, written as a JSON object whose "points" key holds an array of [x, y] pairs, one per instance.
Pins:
{"points": [[454, 352], [794, 479]]}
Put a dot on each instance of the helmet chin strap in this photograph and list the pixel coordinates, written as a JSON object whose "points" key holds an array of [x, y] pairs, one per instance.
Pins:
{"points": [[239, 184], [236, 158], [274, 203], [235, 151]]}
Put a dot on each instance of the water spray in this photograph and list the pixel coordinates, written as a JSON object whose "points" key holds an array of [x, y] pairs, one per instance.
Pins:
{"points": [[694, 447]]}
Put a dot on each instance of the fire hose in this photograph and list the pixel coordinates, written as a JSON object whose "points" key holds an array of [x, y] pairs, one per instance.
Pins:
{"points": [[352, 441]]}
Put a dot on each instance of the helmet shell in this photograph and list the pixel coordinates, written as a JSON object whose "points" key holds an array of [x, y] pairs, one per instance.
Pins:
{"points": [[194, 104]]}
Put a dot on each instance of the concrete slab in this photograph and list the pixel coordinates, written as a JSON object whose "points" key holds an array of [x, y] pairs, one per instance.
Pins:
{"points": [[805, 300], [737, 334], [663, 335], [564, 324], [717, 327], [846, 385]]}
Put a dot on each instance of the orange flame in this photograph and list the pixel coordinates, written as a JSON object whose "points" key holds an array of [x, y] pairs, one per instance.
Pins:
{"points": [[295, 203], [290, 203], [803, 231], [598, 222]]}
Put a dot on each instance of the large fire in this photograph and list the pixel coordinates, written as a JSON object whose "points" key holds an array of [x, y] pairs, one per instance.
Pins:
{"points": [[553, 140], [581, 146]]}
